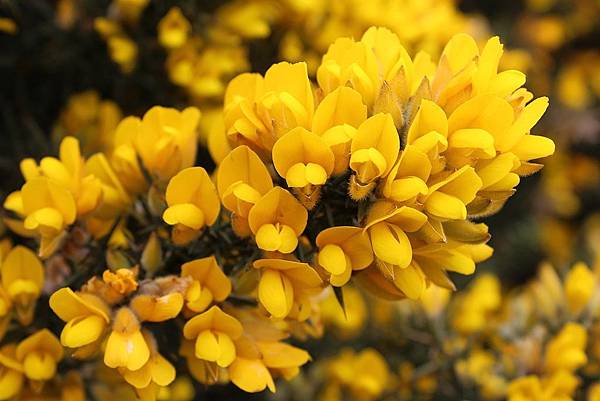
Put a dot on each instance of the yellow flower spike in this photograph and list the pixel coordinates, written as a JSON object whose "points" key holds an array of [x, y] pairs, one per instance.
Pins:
{"points": [[22, 278], [353, 62], [209, 283], [284, 283], [387, 225], [242, 179], [448, 198], [167, 140], [86, 315], [192, 203], [580, 283], [11, 372], [277, 220], [214, 332], [124, 158], [157, 370], [173, 29], [126, 346], [343, 106], [409, 176], [342, 250], [374, 149], [151, 308], [40, 353], [303, 159]]}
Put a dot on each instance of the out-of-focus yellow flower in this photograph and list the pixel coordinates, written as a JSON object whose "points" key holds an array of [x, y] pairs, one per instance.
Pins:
{"points": [[209, 283], [131, 10], [8, 26], [214, 332], [173, 29], [366, 374], [11, 372], [579, 285], [277, 219], [40, 353], [474, 307], [193, 203], [349, 319], [23, 279], [123, 51], [285, 287], [566, 351], [86, 315], [126, 346]]}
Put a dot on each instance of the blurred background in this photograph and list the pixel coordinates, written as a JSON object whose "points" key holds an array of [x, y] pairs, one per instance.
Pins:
{"points": [[78, 66]]}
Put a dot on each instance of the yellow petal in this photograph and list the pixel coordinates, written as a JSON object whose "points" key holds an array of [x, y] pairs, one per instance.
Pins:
{"points": [[410, 281], [332, 258], [276, 293], [39, 366], [163, 373], [128, 350], [390, 244], [251, 375], [187, 214], [445, 206], [342, 106], [82, 331], [282, 355], [531, 147]]}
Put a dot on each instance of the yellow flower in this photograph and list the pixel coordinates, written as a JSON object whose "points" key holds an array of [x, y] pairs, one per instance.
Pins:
{"points": [[366, 373], [22, 278], [5, 311], [242, 179], [579, 285], [173, 29], [9, 26], [374, 150], [475, 306], [342, 250], [86, 315], [192, 202], [285, 286], [40, 353], [11, 372], [156, 371], [336, 120], [157, 308], [387, 226], [277, 220], [447, 199], [123, 51], [256, 363], [258, 110], [209, 283], [566, 350], [304, 160], [124, 159], [166, 140], [214, 332], [126, 346]]}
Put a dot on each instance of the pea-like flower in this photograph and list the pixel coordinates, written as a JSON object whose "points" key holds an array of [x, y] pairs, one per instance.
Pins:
{"points": [[11, 372], [22, 278], [192, 202], [285, 286], [277, 220], [214, 332], [209, 283], [40, 354], [126, 346]]}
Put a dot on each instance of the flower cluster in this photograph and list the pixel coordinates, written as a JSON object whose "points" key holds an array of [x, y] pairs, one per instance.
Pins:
{"points": [[373, 176]]}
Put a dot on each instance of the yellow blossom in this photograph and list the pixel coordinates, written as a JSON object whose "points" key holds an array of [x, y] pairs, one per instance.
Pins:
{"points": [[40, 353], [173, 29], [277, 219], [214, 332], [342, 250], [192, 202], [209, 283], [22, 278], [86, 315], [285, 286], [11, 372], [579, 287], [126, 346]]}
